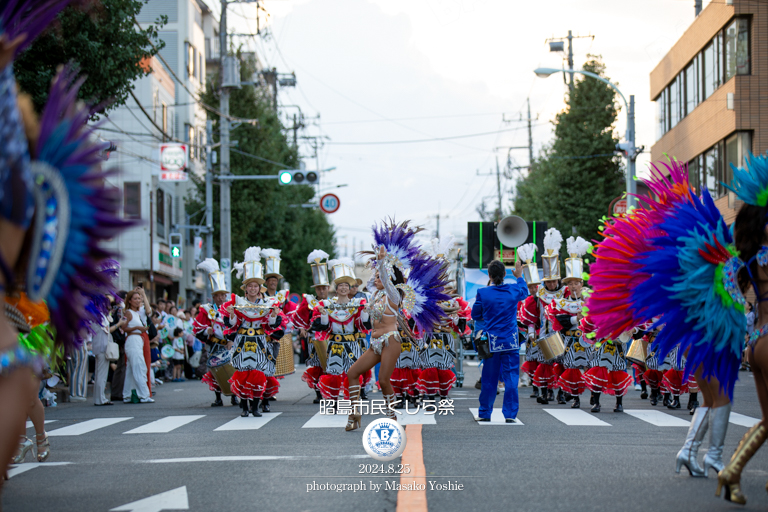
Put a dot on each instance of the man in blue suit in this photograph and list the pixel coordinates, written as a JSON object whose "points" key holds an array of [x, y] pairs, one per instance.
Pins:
{"points": [[496, 306]]}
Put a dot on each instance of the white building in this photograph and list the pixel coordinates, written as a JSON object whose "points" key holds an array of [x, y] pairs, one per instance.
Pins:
{"points": [[172, 104]]}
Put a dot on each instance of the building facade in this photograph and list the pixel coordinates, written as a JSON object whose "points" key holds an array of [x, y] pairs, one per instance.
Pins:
{"points": [[166, 109], [711, 110]]}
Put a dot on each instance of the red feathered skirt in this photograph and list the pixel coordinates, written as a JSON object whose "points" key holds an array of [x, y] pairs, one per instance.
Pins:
{"points": [[529, 367], [545, 376], [433, 381], [571, 381], [271, 388], [672, 382], [330, 386], [248, 384], [211, 381], [600, 380], [404, 381], [653, 378], [312, 375]]}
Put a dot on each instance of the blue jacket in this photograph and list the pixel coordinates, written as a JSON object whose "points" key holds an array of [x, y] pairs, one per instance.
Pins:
{"points": [[496, 306]]}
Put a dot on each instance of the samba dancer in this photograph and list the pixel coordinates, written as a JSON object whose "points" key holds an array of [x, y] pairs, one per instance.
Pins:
{"points": [[258, 325], [302, 319], [396, 255], [338, 321], [534, 313], [209, 328], [567, 314]]}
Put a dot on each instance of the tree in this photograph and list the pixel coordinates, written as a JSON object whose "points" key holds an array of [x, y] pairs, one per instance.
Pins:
{"points": [[261, 214], [102, 40], [569, 186]]}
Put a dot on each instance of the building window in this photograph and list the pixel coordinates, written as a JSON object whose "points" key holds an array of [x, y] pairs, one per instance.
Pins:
{"points": [[191, 60], [170, 211], [165, 118], [676, 103], [132, 200], [160, 208], [692, 86], [708, 57], [191, 141], [694, 171], [713, 171], [661, 114], [737, 48]]}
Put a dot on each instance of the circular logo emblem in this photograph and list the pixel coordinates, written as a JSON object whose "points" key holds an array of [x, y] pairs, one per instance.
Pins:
{"points": [[384, 439]]}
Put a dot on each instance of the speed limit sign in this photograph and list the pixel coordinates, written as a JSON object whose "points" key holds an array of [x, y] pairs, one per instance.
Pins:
{"points": [[329, 203]]}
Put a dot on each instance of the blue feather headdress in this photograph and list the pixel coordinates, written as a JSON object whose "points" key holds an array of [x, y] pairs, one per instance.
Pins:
{"points": [[691, 290], [76, 211], [426, 277], [750, 183]]}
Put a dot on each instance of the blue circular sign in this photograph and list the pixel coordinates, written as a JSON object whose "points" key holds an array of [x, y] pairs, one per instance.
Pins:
{"points": [[330, 203], [384, 439]]}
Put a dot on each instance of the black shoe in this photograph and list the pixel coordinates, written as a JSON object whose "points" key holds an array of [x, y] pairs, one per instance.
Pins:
{"points": [[255, 408], [217, 403], [592, 399], [666, 400], [542, 398], [619, 407], [363, 396], [596, 400], [318, 397], [654, 397], [694, 406], [568, 397], [400, 403], [643, 390], [233, 400], [551, 395], [244, 406], [643, 395], [272, 399], [535, 393], [482, 419], [576, 403], [560, 398], [692, 398], [265, 405], [675, 403], [478, 385]]}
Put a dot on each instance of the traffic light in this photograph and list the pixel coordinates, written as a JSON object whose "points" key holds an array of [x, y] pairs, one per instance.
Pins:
{"points": [[297, 177], [175, 241]]}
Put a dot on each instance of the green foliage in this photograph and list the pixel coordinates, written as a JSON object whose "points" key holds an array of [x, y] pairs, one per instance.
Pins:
{"points": [[260, 212], [100, 38], [569, 192]]}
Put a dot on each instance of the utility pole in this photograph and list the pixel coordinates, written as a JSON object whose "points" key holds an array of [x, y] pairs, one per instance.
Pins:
{"points": [[631, 155], [498, 186], [556, 45], [570, 61], [226, 210], [530, 138], [438, 222], [209, 190]]}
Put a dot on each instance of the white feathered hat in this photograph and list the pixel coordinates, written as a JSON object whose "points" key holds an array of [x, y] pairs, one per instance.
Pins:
{"points": [[251, 269], [318, 260], [215, 276], [271, 263], [343, 271], [574, 266], [550, 261]]}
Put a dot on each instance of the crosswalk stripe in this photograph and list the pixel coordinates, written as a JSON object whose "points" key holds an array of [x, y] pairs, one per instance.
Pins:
{"points": [[576, 417], [249, 423], [86, 426], [420, 418], [30, 424], [164, 425], [657, 418], [326, 421], [744, 421], [23, 468], [497, 418]]}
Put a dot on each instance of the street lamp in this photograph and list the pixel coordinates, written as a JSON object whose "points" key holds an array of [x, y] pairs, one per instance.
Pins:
{"points": [[629, 146]]}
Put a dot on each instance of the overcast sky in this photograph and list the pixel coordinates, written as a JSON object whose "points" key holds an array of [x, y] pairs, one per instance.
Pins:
{"points": [[408, 70]]}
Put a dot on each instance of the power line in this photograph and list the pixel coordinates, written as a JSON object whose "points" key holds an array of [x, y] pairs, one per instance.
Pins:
{"points": [[427, 140], [233, 150], [420, 118]]}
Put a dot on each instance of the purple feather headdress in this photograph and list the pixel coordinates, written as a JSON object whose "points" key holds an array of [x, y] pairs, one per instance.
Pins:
{"points": [[76, 212], [30, 17]]}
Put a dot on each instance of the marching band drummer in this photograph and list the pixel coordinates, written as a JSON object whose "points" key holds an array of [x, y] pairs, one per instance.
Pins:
{"points": [[534, 312], [302, 318], [209, 327], [567, 313], [258, 324], [338, 320], [533, 355]]}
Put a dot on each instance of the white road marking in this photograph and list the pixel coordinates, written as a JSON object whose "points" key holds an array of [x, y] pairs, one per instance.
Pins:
{"points": [[249, 423], [30, 425], [23, 468], [744, 421], [164, 425], [246, 458], [86, 426], [420, 418], [497, 418], [326, 421], [175, 499], [657, 418], [577, 417]]}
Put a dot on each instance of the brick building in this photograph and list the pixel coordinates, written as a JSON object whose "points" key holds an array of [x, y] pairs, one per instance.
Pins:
{"points": [[711, 94]]}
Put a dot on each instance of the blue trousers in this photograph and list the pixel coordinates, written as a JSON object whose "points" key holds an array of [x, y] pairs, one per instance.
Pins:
{"points": [[504, 366]]}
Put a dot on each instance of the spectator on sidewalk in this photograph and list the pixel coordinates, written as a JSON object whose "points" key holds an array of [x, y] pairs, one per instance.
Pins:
{"points": [[103, 334], [136, 371], [179, 354], [77, 368], [118, 336]]}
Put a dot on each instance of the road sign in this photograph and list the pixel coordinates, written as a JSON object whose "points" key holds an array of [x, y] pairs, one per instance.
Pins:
{"points": [[330, 203], [173, 162], [620, 207]]}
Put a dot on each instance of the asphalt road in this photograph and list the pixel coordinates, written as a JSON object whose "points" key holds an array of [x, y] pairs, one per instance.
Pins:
{"points": [[626, 463]]}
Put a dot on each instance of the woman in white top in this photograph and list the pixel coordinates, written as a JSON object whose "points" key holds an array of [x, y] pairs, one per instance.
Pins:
{"points": [[136, 367]]}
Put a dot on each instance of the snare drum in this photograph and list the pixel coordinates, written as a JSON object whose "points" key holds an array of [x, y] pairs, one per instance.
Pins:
{"points": [[638, 352], [552, 346], [321, 348], [284, 364], [222, 374]]}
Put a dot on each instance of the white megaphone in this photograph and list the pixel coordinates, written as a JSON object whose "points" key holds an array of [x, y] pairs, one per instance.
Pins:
{"points": [[512, 231]]}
